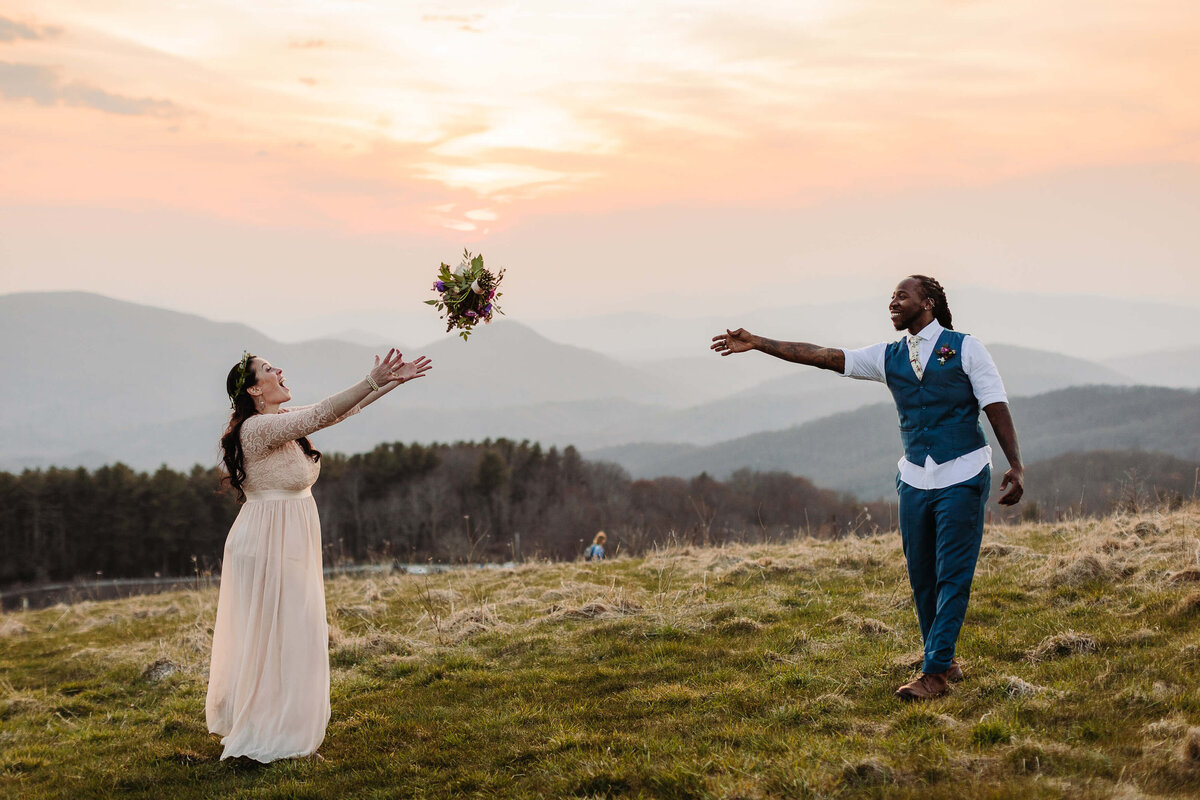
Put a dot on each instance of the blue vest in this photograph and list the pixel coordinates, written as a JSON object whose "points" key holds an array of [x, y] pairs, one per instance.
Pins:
{"points": [[939, 415]]}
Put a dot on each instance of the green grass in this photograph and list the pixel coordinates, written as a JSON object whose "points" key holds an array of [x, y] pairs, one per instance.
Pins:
{"points": [[741, 672]]}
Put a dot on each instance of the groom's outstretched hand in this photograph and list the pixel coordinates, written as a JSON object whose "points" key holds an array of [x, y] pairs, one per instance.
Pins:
{"points": [[730, 342], [1014, 481]]}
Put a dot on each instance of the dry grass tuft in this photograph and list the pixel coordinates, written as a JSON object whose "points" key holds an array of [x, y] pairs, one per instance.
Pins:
{"points": [[619, 607], [1188, 605], [1139, 637], [834, 700], [375, 643], [584, 600], [11, 626], [1167, 728], [1062, 644], [732, 560], [138, 608], [740, 625], [472, 621], [148, 613], [362, 612], [443, 596], [1015, 687], [572, 591], [874, 627], [1113, 544], [1189, 747], [868, 772], [908, 661], [864, 625], [1188, 575], [1127, 791], [1080, 570], [1164, 691]]}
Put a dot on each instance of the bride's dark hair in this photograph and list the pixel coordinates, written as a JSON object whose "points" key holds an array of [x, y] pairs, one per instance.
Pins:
{"points": [[237, 386]]}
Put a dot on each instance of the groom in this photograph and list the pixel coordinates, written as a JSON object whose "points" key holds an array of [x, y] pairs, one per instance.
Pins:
{"points": [[940, 379]]}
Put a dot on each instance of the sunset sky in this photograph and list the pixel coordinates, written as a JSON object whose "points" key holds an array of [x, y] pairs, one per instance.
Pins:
{"points": [[256, 160]]}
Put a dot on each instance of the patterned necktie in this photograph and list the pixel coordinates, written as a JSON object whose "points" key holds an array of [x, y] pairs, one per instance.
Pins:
{"points": [[914, 356]]}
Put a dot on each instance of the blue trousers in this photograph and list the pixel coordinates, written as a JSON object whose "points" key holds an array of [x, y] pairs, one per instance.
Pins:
{"points": [[941, 530]]}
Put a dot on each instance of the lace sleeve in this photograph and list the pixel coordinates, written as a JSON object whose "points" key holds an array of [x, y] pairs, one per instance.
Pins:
{"points": [[264, 432], [348, 414]]}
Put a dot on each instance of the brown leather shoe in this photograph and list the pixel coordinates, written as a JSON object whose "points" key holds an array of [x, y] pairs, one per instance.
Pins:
{"points": [[955, 673], [926, 687]]}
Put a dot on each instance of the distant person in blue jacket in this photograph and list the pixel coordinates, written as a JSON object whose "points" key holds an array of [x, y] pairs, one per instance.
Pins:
{"points": [[940, 379], [596, 551]]}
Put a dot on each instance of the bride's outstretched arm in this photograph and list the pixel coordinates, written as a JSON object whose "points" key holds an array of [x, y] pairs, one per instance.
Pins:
{"points": [[407, 371], [267, 431]]}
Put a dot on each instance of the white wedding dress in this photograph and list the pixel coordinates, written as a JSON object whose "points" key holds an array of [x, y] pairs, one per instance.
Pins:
{"points": [[268, 686]]}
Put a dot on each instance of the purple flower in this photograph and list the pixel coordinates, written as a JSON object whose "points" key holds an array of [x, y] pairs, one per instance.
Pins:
{"points": [[472, 314], [440, 286], [487, 309]]}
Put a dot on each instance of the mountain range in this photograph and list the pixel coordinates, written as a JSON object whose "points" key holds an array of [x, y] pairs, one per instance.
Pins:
{"points": [[89, 380], [856, 451]]}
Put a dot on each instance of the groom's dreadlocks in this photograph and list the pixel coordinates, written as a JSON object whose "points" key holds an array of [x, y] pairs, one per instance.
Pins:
{"points": [[934, 291]]}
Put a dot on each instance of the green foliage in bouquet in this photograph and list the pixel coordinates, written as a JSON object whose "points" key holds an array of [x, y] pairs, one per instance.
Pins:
{"points": [[467, 294]]}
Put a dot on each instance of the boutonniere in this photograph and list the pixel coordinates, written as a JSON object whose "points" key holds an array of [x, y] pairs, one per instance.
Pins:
{"points": [[944, 354]]}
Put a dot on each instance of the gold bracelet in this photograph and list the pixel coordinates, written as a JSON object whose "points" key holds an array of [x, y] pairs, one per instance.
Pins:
{"points": [[371, 382]]}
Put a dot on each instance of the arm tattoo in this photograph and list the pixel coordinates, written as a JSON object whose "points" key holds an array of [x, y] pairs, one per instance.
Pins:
{"points": [[830, 358]]}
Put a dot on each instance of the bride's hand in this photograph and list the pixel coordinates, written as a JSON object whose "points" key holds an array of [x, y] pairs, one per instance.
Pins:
{"points": [[408, 370], [381, 373]]}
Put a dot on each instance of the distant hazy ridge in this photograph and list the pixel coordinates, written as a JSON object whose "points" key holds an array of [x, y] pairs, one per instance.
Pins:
{"points": [[90, 380]]}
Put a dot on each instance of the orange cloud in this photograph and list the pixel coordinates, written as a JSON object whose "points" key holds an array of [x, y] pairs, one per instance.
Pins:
{"points": [[585, 110]]}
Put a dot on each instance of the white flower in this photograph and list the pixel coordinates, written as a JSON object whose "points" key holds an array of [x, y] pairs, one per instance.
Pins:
{"points": [[476, 288], [461, 268]]}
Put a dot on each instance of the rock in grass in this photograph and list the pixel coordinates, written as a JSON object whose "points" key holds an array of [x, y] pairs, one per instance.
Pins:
{"points": [[159, 670], [1062, 644]]}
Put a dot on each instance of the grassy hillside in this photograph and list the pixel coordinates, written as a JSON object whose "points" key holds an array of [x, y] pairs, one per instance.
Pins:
{"points": [[740, 672]]}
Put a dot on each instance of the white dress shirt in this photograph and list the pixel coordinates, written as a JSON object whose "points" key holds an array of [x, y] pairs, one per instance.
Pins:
{"points": [[867, 364]]}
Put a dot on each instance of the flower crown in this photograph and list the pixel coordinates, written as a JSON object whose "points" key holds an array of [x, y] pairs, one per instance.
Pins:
{"points": [[243, 374]]}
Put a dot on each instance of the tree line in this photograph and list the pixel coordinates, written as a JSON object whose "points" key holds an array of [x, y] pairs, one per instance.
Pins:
{"points": [[490, 501]]}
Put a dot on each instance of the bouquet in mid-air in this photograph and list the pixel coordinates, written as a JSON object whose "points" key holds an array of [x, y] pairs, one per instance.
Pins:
{"points": [[467, 294]]}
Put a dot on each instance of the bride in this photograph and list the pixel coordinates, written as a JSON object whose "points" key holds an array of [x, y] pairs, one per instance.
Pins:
{"points": [[268, 686]]}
